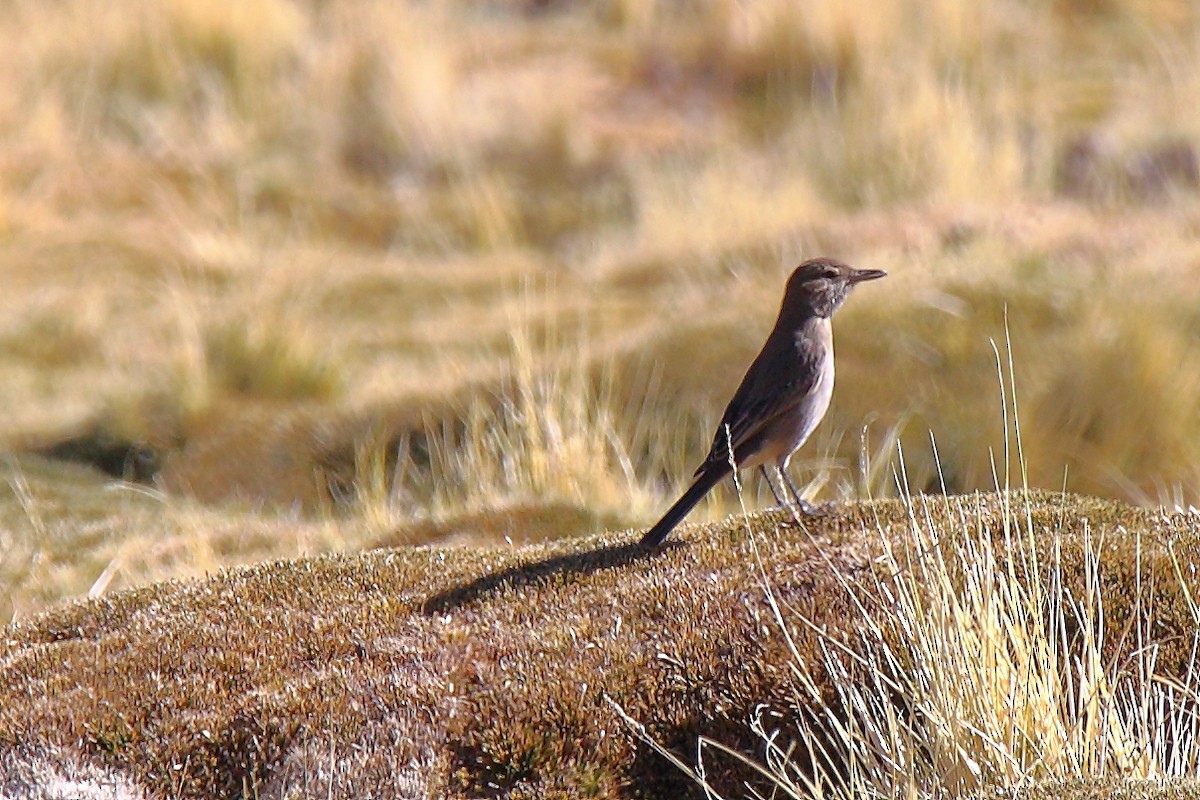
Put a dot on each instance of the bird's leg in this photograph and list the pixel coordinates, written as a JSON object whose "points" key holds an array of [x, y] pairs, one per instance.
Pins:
{"points": [[784, 502], [801, 503], [781, 502]]}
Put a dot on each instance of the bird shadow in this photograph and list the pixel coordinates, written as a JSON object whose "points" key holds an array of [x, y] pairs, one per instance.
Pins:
{"points": [[538, 573]]}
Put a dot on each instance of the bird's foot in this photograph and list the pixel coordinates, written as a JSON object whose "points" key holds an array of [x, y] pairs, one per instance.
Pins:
{"points": [[805, 509]]}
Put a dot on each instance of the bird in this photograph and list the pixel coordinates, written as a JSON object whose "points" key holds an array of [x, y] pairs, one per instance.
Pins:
{"points": [[784, 393]]}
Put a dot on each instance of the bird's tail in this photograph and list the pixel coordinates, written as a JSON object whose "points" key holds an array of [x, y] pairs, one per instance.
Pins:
{"points": [[700, 487]]}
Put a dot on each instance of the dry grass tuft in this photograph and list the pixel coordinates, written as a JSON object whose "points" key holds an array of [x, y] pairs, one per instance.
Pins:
{"points": [[266, 360], [989, 661]]}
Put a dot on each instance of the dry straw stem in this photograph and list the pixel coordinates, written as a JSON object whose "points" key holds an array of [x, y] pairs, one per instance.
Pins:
{"points": [[991, 672], [252, 676]]}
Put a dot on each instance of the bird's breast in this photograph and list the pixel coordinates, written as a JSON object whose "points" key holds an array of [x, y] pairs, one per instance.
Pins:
{"points": [[814, 359]]}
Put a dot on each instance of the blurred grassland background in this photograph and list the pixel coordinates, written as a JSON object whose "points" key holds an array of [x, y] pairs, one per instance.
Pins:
{"points": [[332, 275]]}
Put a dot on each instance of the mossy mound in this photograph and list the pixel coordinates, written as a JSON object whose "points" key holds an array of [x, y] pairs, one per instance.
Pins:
{"points": [[435, 672]]}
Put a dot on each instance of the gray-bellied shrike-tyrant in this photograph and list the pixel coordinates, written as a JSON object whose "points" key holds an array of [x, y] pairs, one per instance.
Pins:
{"points": [[784, 393]]}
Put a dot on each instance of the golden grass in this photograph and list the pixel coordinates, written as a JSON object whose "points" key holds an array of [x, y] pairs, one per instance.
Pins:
{"points": [[275, 246], [991, 668], [68, 531]]}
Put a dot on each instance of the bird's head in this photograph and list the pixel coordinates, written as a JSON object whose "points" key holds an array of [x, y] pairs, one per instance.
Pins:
{"points": [[820, 285]]}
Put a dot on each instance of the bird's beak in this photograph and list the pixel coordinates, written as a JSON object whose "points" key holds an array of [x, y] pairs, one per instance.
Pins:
{"points": [[860, 275]]}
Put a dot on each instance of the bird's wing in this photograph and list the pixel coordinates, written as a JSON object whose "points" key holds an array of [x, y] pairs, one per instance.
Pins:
{"points": [[762, 397]]}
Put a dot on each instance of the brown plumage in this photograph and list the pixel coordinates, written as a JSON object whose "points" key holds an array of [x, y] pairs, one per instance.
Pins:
{"points": [[784, 393]]}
